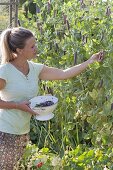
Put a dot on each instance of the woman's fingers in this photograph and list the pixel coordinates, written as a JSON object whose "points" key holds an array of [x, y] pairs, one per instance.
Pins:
{"points": [[30, 110], [101, 55]]}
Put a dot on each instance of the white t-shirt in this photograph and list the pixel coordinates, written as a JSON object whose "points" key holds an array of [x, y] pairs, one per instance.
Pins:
{"points": [[18, 88]]}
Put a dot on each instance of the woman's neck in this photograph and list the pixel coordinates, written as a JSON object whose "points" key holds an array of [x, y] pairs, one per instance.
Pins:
{"points": [[22, 66]]}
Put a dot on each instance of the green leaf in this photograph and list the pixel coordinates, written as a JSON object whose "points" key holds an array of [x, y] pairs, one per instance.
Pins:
{"points": [[94, 94]]}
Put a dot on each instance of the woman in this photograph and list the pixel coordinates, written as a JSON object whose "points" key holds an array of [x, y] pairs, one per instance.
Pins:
{"points": [[18, 83]]}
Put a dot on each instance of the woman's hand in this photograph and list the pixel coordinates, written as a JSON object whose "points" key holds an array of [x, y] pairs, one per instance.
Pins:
{"points": [[24, 106], [97, 57]]}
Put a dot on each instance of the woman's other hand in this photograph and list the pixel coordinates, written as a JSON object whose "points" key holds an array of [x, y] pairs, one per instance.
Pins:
{"points": [[25, 106]]}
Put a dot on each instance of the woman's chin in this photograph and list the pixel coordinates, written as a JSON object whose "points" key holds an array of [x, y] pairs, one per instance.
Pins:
{"points": [[33, 57]]}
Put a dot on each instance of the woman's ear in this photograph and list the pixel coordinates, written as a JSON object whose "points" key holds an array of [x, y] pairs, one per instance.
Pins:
{"points": [[19, 51]]}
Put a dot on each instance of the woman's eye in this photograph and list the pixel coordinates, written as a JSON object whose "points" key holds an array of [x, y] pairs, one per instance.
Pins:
{"points": [[33, 47]]}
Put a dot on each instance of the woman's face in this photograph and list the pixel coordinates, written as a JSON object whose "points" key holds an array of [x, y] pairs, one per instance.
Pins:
{"points": [[30, 49]]}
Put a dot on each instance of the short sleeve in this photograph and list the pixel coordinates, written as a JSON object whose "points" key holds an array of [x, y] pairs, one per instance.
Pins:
{"points": [[3, 72], [37, 67]]}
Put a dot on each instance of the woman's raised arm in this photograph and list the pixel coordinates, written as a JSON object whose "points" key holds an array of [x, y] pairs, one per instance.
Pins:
{"points": [[51, 73]]}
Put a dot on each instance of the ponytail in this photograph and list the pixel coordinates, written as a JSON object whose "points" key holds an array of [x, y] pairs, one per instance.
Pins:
{"points": [[5, 50]]}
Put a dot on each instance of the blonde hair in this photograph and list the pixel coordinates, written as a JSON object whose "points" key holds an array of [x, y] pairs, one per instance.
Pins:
{"points": [[10, 40]]}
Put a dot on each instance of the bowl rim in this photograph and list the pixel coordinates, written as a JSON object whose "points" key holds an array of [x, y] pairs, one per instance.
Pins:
{"points": [[31, 100]]}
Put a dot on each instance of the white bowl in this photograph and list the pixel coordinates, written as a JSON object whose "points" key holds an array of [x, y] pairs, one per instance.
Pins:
{"points": [[45, 112]]}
